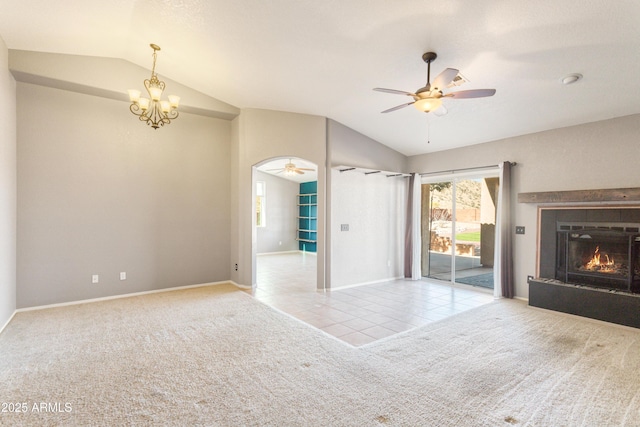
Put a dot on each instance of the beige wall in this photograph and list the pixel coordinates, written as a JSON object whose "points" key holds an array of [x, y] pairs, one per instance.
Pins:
{"points": [[101, 192], [350, 148], [374, 208], [595, 155], [7, 189], [281, 210], [259, 135]]}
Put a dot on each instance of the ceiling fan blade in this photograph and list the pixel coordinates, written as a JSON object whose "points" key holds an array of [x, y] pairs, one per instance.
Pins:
{"points": [[394, 91], [305, 169], [474, 93], [444, 78], [298, 171], [397, 107]]}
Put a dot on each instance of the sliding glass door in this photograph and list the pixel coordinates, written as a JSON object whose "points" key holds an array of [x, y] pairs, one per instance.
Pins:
{"points": [[458, 229], [437, 223]]}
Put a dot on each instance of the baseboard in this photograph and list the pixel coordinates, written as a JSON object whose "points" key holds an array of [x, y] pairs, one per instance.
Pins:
{"points": [[9, 320], [237, 285], [112, 297], [296, 251]]}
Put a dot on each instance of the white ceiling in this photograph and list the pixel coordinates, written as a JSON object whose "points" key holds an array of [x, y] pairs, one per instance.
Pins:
{"points": [[324, 57]]}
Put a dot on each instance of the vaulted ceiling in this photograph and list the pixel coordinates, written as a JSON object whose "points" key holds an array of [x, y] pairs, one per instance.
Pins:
{"points": [[324, 57]]}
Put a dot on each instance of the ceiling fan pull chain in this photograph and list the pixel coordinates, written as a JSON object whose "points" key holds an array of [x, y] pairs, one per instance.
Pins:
{"points": [[428, 136]]}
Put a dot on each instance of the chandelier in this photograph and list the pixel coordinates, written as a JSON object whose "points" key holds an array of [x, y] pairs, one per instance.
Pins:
{"points": [[153, 110]]}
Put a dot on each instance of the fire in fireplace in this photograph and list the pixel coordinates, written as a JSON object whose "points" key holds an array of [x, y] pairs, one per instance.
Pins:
{"points": [[599, 254]]}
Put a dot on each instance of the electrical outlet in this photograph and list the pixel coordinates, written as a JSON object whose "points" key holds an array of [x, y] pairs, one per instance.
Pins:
{"points": [[95, 278], [519, 229], [236, 267], [123, 275], [344, 227]]}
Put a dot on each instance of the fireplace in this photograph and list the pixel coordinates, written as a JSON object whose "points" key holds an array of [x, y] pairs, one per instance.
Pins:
{"points": [[600, 254], [589, 263]]}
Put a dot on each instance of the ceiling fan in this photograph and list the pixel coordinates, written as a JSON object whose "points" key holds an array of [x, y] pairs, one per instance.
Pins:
{"points": [[429, 97], [290, 169]]}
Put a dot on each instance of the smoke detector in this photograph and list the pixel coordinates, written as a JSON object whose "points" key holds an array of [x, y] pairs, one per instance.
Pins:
{"points": [[571, 78]]}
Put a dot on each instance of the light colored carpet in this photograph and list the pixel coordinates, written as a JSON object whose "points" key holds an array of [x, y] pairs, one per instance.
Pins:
{"points": [[215, 356]]}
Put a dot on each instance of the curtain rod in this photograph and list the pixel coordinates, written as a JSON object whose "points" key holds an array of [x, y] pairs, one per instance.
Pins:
{"points": [[464, 169]]}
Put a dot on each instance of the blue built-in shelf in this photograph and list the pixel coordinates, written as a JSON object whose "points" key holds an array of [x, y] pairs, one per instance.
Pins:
{"points": [[308, 216]]}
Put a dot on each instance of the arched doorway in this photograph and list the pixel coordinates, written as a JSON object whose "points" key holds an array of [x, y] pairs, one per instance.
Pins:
{"points": [[285, 225]]}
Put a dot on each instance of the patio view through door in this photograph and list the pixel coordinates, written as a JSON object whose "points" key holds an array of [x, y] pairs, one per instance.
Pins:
{"points": [[458, 229]]}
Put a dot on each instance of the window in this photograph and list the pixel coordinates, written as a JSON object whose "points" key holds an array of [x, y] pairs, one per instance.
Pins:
{"points": [[261, 191]]}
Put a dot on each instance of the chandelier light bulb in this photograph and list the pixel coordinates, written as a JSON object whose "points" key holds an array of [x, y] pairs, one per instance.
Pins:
{"points": [[144, 104], [174, 100], [155, 93], [134, 95]]}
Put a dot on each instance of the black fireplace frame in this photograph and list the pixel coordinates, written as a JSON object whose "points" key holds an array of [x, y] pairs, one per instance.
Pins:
{"points": [[592, 234]]}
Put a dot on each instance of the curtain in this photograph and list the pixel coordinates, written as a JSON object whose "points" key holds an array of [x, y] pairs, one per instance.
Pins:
{"points": [[503, 268], [412, 241]]}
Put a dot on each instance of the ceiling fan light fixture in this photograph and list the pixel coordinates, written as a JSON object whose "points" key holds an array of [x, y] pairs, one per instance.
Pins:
{"points": [[428, 98], [427, 104]]}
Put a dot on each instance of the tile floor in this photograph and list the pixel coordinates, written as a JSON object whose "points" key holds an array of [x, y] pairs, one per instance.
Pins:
{"points": [[361, 314]]}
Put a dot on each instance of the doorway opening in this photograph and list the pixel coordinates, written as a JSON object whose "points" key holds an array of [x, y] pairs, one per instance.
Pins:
{"points": [[285, 225], [459, 228]]}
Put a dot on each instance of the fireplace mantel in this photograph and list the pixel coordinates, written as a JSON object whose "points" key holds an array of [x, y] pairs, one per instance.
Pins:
{"points": [[582, 196]]}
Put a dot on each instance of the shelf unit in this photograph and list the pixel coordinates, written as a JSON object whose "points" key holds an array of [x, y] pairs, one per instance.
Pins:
{"points": [[307, 217]]}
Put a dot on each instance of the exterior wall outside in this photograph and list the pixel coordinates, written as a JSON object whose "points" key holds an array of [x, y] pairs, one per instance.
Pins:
{"points": [[591, 156], [8, 191], [279, 234], [102, 193]]}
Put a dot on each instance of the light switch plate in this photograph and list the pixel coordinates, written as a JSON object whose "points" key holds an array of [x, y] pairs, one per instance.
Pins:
{"points": [[519, 229]]}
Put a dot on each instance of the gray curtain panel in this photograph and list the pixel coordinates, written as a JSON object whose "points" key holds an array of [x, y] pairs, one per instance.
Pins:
{"points": [[408, 233], [506, 252]]}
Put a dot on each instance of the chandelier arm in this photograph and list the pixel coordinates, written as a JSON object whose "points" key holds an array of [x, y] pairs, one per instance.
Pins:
{"points": [[135, 109]]}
